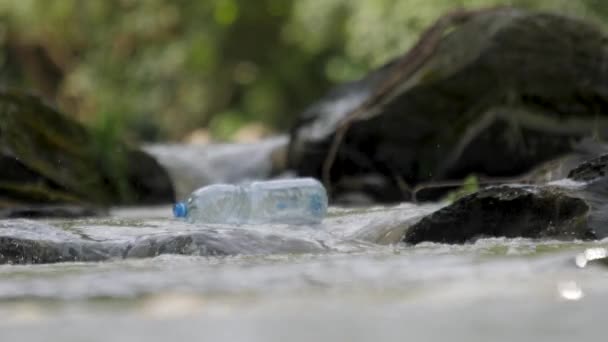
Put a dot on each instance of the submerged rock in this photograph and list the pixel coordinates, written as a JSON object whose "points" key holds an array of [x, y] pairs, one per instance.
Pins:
{"points": [[493, 93], [97, 239], [24, 241], [48, 159]]}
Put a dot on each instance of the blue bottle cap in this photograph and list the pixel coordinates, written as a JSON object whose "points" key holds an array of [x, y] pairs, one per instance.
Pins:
{"points": [[180, 209]]}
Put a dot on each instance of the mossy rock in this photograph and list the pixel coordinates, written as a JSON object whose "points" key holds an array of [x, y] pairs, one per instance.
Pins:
{"points": [[492, 93], [48, 158]]}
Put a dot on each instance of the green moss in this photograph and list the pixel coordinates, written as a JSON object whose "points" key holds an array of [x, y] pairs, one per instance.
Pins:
{"points": [[469, 186], [37, 193], [56, 160]]}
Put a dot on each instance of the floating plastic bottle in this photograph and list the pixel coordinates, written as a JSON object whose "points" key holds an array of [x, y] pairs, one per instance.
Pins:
{"points": [[290, 201]]}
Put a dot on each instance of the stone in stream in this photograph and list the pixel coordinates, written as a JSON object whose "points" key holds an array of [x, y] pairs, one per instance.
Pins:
{"points": [[48, 160], [98, 239], [506, 211], [574, 208], [493, 92], [25, 242], [591, 170]]}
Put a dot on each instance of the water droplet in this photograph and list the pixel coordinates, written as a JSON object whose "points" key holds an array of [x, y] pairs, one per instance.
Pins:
{"points": [[570, 291]]}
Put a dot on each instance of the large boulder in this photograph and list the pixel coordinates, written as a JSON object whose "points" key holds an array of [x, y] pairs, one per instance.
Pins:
{"points": [[492, 93], [47, 158]]}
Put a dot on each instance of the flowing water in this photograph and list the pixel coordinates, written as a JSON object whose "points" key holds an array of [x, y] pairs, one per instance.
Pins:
{"points": [[352, 284], [346, 280]]}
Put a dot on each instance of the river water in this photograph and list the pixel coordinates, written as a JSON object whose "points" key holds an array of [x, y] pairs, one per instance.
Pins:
{"points": [[362, 287]]}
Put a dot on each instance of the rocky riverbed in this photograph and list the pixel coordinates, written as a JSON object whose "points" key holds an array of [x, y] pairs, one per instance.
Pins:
{"points": [[570, 209], [325, 287], [139, 271]]}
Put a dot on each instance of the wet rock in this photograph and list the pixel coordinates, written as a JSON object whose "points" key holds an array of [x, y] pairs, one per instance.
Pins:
{"points": [[573, 208], [96, 239], [48, 159], [493, 93], [590, 170], [507, 211], [562, 167], [24, 241], [589, 182]]}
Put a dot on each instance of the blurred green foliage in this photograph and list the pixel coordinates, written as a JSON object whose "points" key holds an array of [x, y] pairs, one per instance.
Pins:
{"points": [[159, 69]]}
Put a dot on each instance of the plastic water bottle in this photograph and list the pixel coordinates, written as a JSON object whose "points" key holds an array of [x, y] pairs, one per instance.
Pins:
{"points": [[291, 201]]}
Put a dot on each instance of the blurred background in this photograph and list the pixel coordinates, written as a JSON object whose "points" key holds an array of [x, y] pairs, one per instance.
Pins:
{"points": [[213, 70]]}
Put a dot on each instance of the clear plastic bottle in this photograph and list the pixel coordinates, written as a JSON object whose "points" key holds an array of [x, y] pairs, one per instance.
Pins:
{"points": [[291, 201]]}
